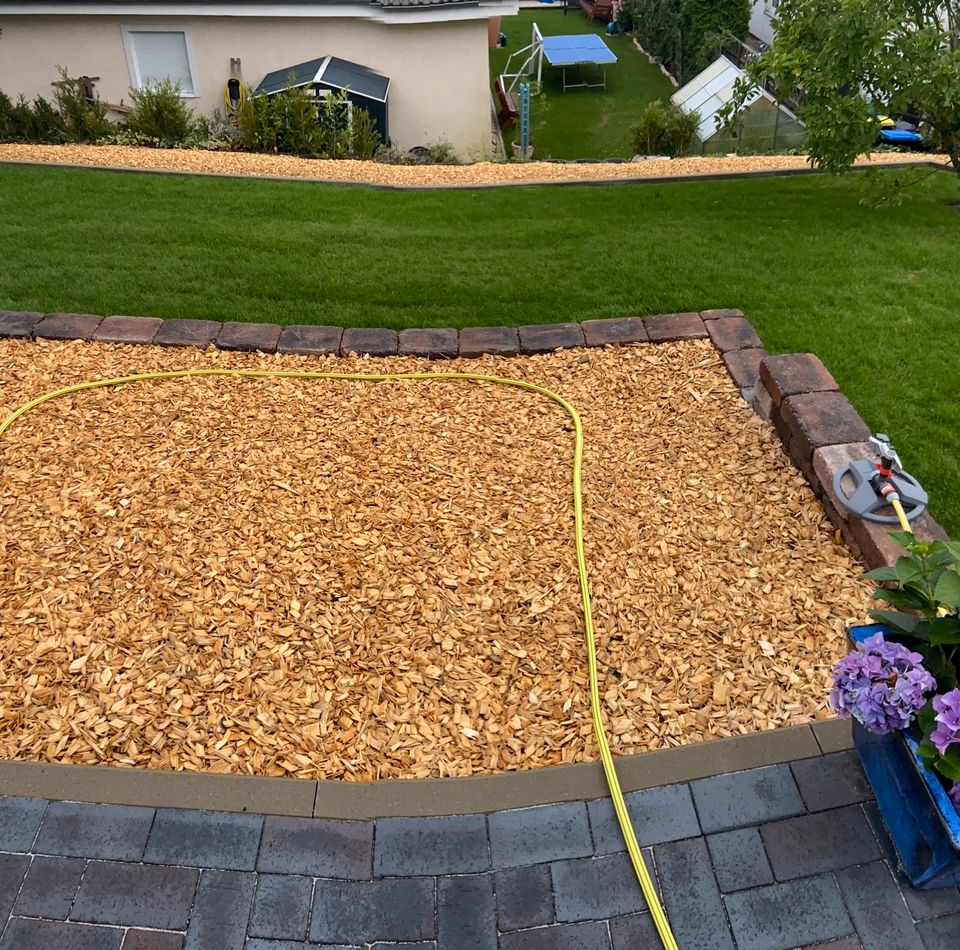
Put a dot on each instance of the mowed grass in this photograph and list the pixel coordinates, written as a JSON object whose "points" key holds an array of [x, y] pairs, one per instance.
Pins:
{"points": [[875, 294], [581, 123]]}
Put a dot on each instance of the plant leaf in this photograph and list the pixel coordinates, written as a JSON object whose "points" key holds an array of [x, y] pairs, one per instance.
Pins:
{"points": [[898, 622], [946, 630], [903, 538], [947, 590], [952, 546], [949, 765], [903, 599], [907, 569], [881, 574]]}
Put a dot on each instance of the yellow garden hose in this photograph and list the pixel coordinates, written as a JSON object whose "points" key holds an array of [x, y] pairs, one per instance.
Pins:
{"points": [[902, 515], [613, 783]]}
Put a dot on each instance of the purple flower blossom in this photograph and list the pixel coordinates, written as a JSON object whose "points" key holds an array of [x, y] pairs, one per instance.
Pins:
{"points": [[947, 732], [882, 685], [954, 793]]}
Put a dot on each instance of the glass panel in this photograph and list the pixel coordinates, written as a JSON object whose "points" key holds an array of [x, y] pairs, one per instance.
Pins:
{"points": [[163, 56]]}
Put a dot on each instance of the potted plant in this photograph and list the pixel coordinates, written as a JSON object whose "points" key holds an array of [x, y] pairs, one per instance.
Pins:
{"points": [[900, 685]]}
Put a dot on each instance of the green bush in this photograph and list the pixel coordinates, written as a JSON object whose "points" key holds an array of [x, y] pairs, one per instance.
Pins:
{"points": [[84, 120], [664, 130], [682, 33], [159, 114], [22, 122], [292, 122]]}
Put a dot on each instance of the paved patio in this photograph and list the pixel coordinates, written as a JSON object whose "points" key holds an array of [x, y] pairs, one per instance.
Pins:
{"points": [[784, 856]]}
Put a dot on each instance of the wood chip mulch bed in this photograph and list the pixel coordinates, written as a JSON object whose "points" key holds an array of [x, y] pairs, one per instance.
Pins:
{"points": [[418, 176], [370, 580]]}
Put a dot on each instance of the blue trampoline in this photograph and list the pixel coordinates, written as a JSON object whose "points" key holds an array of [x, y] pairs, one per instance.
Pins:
{"points": [[585, 49]]}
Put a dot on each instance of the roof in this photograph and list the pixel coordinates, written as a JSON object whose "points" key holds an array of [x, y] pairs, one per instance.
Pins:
{"points": [[327, 71], [709, 91], [392, 4]]}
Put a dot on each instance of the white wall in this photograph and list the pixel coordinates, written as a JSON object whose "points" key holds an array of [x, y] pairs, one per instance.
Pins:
{"points": [[760, 14], [439, 71]]}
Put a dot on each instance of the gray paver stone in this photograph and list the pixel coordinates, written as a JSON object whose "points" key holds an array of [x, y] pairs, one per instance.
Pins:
{"points": [[746, 798], [596, 888], [781, 916], [691, 897], [547, 337], [18, 324], [658, 815], [524, 897], [13, 867], [50, 887], [281, 907], [925, 904], [67, 326], [408, 847], [221, 911], [616, 330], [19, 820], [588, 936], [106, 832], [186, 332], [675, 326], [135, 895], [844, 943], [541, 834], [739, 860], [355, 912], [204, 839], [373, 340], [825, 841], [876, 908], [636, 932], [440, 343], [120, 329], [831, 781], [258, 943], [26, 934], [940, 934], [476, 341], [322, 847], [310, 340], [419, 945], [152, 940], [465, 913], [249, 337]]}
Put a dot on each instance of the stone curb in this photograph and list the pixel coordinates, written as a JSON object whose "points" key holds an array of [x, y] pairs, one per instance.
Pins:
{"points": [[795, 393], [468, 186], [415, 798], [821, 433]]}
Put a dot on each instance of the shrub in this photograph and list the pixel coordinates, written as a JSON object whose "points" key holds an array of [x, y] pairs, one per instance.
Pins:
{"points": [[85, 120], [160, 114], [664, 130], [23, 122], [364, 138]]}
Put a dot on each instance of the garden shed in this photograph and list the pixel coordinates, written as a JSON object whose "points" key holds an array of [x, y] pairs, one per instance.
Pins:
{"points": [[764, 126], [365, 88]]}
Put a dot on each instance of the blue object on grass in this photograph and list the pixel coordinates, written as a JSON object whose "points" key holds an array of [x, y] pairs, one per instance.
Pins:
{"points": [[586, 49], [922, 822], [900, 137]]}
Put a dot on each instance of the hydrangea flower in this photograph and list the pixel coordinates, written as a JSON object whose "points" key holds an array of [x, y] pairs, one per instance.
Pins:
{"points": [[947, 732], [954, 794], [882, 685]]}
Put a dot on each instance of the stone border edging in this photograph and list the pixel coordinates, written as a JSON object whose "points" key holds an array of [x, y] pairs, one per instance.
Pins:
{"points": [[820, 431], [568, 183], [416, 798]]}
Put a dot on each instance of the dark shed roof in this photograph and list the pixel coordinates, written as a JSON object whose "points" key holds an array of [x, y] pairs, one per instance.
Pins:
{"points": [[328, 71]]}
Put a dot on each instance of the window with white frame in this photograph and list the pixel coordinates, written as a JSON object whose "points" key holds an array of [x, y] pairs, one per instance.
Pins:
{"points": [[155, 53]]}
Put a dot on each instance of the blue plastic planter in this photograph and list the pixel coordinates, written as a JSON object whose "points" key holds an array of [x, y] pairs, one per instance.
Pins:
{"points": [[922, 822]]}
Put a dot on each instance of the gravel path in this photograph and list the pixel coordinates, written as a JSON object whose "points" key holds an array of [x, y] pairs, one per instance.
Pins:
{"points": [[351, 580], [373, 173]]}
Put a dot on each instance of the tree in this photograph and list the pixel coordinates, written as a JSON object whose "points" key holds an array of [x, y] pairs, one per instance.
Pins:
{"points": [[847, 61]]}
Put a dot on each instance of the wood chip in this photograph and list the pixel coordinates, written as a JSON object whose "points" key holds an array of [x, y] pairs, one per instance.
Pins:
{"points": [[370, 580]]}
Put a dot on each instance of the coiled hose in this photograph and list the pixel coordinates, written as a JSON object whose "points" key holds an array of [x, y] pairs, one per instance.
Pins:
{"points": [[609, 770]]}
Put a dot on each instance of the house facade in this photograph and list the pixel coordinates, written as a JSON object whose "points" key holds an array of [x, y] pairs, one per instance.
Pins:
{"points": [[434, 52]]}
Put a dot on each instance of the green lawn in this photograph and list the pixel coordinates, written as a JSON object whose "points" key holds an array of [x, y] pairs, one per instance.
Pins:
{"points": [[582, 123], [874, 293]]}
